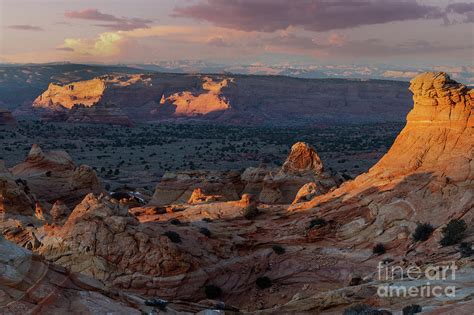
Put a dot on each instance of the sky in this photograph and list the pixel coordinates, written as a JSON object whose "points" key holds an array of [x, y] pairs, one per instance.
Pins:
{"points": [[396, 32]]}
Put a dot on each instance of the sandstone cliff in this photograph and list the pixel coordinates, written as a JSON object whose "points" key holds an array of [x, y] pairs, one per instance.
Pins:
{"points": [[426, 176]]}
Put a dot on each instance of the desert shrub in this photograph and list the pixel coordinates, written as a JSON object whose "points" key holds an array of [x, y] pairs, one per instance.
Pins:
{"points": [[422, 232], [250, 212], [205, 231], [379, 249], [364, 309], [212, 291], [173, 236], [207, 219], [161, 304], [174, 221], [318, 222], [453, 232], [263, 282], [411, 309], [466, 249], [278, 249]]}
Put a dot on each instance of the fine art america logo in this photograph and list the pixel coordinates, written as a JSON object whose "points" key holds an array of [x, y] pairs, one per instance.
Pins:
{"points": [[414, 281]]}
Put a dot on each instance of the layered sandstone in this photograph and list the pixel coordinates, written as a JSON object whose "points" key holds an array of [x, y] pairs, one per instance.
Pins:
{"points": [[301, 167], [303, 160], [29, 284], [53, 176], [426, 176], [178, 188]]}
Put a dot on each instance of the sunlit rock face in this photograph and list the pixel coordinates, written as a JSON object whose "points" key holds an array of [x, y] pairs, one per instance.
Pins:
{"points": [[426, 176], [303, 160], [211, 100], [438, 137], [86, 93]]}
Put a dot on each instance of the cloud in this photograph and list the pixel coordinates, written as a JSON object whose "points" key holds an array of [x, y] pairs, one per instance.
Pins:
{"points": [[114, 22], [25, 27], [461, 8], [107, 44], [313, 15], [112, 43], [218, 41], [336, 45], [65, 48]]}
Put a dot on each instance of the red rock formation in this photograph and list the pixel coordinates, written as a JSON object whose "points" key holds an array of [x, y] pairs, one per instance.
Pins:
{"points": [[53, 176], [86, 93], [199, 196], [302, 166], [426, 176], [210, 101], [177, 188], [303, 160]]}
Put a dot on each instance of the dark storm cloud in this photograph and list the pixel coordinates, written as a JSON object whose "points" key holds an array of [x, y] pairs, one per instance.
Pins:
{"points": [[314, 15]]}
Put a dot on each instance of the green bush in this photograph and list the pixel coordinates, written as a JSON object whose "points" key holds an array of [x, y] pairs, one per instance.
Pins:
{"points": [[422, 232], [453, 232]]}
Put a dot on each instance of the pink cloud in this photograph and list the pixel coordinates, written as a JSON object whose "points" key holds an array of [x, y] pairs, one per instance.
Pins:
{"points": [[114, 22], [314, 15], [25, 27]]}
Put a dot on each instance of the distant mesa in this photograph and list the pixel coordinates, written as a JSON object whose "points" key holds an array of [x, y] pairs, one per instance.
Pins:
{"points": [[223, 99]]}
